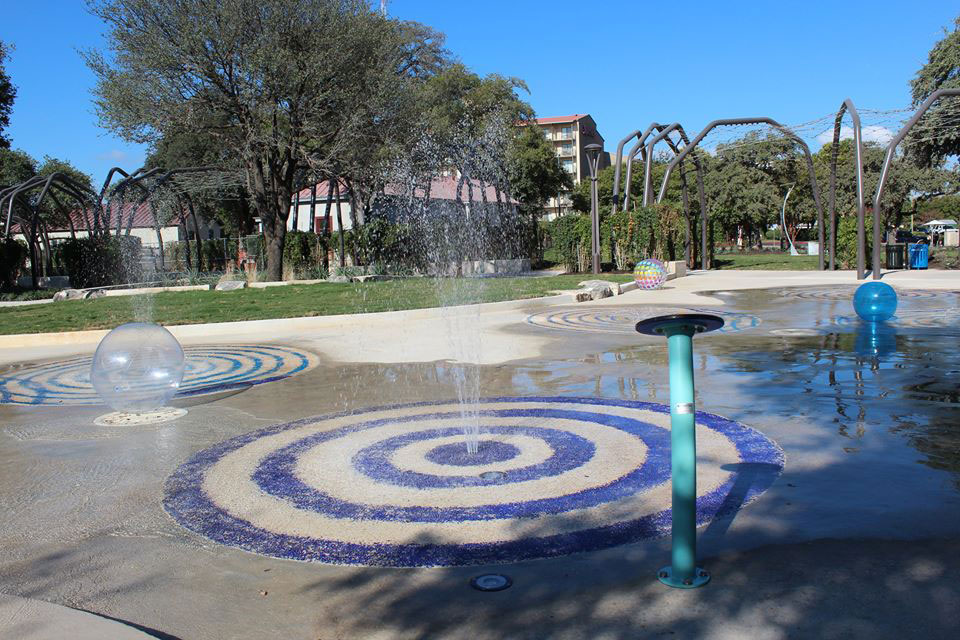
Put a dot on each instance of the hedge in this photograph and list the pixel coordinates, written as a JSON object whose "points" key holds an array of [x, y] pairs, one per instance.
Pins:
{"points": [[627, 236], [13, 259], [100, 262], [847, 241]]}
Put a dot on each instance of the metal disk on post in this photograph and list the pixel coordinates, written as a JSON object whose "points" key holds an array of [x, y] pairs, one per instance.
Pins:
{"points": [[679, 330]]}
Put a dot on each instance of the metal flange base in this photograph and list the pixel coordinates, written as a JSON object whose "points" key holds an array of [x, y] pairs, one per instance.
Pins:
{"points": [[700, 578]]}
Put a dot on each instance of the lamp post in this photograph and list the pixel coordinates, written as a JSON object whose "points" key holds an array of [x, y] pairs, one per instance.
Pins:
{"points": [[593, 157]]}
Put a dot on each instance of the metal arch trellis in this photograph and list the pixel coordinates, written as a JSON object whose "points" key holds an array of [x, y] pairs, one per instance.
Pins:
{"points": [[835, 150], [888, 160], [773, 123], [35, 229], [639, 146], [648, 187]]}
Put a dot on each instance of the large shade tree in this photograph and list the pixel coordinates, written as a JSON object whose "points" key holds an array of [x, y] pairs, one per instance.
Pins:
{"points": [[7, 94], [937, 136], [286, 86]]}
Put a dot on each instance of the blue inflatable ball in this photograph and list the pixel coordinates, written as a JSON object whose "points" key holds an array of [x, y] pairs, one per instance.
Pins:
{"points": [[875, 301], [875, 339]]}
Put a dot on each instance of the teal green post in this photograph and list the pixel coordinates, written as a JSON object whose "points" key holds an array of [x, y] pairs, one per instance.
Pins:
{"points": [[683, 572]]}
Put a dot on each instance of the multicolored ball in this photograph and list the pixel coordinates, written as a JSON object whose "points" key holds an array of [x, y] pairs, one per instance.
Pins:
{"points": [[650, 274]]}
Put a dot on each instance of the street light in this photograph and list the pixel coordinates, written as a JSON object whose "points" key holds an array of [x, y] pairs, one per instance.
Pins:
{"points": [[593, 157]]}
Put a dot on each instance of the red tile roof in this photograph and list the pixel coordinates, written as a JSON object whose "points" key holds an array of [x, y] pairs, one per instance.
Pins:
{"points": [[561, 119], [142, 218]]}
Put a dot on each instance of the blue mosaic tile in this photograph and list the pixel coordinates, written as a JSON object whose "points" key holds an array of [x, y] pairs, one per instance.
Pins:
{"points": [[760, 462]]}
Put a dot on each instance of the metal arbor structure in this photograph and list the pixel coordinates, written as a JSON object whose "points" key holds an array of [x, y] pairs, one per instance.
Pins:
{"points": [[645, 153], [94, 209], [648, 188], [776, 125], [858, 155], [26, 212], [887, 160]]}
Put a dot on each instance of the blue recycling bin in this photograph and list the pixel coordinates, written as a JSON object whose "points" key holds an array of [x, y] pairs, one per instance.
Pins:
{"points": [[919, 256]]}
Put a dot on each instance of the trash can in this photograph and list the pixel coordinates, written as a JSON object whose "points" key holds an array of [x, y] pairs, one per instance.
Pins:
{"points": [[895, 256], [919, 256], [813, 248]]}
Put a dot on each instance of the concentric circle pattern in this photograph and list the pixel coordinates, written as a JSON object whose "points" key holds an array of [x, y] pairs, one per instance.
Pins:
{"points": [[914, 318], [845, 293], [395, 486], [208, 370], [624, 319]]}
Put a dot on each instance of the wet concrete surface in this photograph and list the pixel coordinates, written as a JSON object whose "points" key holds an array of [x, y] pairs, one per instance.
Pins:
{"points": [[857, 537]]}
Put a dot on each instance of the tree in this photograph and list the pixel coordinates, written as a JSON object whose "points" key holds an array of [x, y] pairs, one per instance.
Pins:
{"points": [[278, 84], [534, 176], [472, 122], [750, 179], [534, 173], [8, 93], [56, 209], [936, 136], [15, 167], [905, 178]]}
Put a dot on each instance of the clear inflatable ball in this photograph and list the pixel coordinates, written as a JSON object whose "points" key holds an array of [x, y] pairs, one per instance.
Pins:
{"points": [[137, 368]]}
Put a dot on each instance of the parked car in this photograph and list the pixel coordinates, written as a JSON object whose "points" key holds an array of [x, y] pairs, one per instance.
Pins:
{"points": [[908, 237]]}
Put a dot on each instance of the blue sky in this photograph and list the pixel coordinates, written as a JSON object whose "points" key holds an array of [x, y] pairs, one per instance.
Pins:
{"points": [[625, 62]]}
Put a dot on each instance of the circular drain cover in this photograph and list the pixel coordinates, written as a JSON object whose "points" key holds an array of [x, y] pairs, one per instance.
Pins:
{"points": [[123, 418], [491, 582]]}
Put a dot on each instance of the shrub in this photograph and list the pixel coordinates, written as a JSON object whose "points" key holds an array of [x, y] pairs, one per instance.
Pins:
{"points": [[101, 261], [299, 251], [646, 232], [386, 245], [13, 259], [847, 241], [569, 236]]}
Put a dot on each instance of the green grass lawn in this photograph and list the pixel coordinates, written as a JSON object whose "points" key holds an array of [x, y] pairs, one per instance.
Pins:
{"points": [[294, 301], [771, 261]]}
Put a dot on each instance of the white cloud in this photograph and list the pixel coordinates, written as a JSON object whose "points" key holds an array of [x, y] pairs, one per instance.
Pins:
{"points": [[114, 155], [870, 133]]}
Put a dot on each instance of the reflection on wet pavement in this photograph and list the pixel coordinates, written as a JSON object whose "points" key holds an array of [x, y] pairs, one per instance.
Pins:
{"points": [[811, 357]]}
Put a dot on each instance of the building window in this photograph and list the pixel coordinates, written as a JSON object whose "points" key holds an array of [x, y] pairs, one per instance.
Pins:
{"points": [[568, 166]]}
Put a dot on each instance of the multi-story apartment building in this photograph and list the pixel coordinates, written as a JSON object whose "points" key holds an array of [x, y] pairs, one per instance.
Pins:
{"points": [[569, 135]]}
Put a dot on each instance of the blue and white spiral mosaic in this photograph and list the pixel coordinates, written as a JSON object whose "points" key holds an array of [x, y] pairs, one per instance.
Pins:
{"points": [[625, 319], [208, 370], [395, 486]]}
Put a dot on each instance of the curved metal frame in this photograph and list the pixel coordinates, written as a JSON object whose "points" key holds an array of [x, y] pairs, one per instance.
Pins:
{"points": [[639, 146], [63, 183], [861, 239], [782, 129], [888, 160], [648, 185], [641, 138]]}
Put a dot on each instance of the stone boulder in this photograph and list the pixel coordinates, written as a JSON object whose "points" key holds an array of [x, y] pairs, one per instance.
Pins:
{"points": [[95, 293], [597, 291], [340, 279], [69, 294], [593, 284], [231, 285]]}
